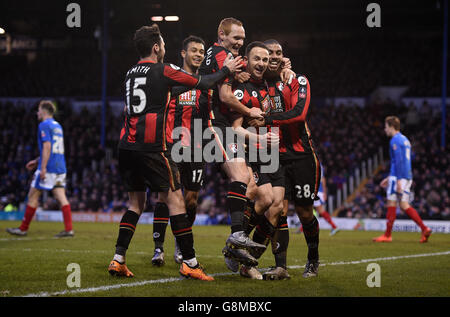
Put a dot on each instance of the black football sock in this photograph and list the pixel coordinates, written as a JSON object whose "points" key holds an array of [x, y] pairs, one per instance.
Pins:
{"points": [[251, 218], [191, 211], [311, 232], [182, 230], [126, 231], [160, 222], [236, 205], [280, 242], [263, 234]]}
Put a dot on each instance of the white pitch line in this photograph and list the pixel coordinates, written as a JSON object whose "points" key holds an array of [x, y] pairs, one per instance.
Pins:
{"points": [[169, 280], [29, 239], [93, 251]]}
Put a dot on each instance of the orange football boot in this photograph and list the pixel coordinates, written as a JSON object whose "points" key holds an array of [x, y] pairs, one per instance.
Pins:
{"points": [[117, 269], [196, 273], [425, 235], [382, 238]]}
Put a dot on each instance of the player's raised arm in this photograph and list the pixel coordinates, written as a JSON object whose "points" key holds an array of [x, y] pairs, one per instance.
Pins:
{"points": [[177, 76], [227, 96], [230, 66], [300, 98]]}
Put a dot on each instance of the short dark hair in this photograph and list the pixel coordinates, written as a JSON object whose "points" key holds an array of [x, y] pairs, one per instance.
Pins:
{"points": [[48, 106], [190, 39], [254, 44], [271, 41], [145, 38]]}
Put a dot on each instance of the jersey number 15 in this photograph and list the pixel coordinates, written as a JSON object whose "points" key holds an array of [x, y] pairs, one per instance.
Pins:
{"points": [[136, 92]]}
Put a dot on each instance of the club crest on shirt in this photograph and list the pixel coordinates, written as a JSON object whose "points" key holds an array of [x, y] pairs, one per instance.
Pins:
{"points": [[302, 92], [233, 147], [256, 177], [266, 104], [280, 86]]}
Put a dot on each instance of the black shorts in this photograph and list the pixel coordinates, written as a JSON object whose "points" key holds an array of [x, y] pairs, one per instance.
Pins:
{"points": [[141, 170], [275, 179], [192, 175], [302, 180]]}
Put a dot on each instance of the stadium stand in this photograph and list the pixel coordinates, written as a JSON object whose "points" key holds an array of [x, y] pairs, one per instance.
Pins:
{"points": [[343, 62], [94, 183]]}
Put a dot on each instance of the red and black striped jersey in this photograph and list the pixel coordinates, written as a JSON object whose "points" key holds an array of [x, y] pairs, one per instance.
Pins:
{"points": [[183, 110], [148, 87], [254, 93], [213, 111], [290, 105]]}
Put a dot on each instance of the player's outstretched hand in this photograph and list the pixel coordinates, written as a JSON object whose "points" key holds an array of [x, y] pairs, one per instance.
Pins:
{"points": [[31, 165], [256, 123], [256, 113], [43, 173], [286, 63], [242, 77], [287, 75], [234, 64]]}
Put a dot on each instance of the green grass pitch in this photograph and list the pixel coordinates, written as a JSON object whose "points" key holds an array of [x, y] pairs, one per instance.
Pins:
{"points": [[36, 265]]}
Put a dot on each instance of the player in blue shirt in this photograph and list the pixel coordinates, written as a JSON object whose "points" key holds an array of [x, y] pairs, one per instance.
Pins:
{"points": [[399, 181], [50, 173]]}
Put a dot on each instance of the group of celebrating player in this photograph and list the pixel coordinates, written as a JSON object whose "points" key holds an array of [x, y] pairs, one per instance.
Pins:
{"points": [[228, 94]]}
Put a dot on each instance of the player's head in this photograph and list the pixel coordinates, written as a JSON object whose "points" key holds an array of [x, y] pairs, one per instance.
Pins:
{"points": [[46, 109], [231, 35], [257, 57], [276, 54], [149, 41], [193, 52], [391, 125]]}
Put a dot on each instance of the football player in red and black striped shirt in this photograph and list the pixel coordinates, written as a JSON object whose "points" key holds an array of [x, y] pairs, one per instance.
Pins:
{"points": [[270, 186], [216, 104], [143, 159], [297, 155], [182, 113]]}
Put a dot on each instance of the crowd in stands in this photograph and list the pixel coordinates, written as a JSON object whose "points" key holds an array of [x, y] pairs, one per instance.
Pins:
{"points": [[339, 67], [344, 136]]}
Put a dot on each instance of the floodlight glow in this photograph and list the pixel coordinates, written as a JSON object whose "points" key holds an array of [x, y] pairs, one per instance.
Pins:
{"points": [[157, 18], [2, 31], [172, 18]]}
